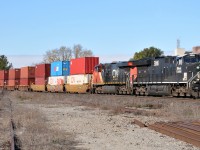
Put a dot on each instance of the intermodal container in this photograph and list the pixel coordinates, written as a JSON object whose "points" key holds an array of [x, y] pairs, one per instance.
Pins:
{"points": [[60, 68], [14, 74], [27, 72], [3, 75], [79, 79], [84, 65], [13, 82], [57, 80], [2, 82], [27, 81], [41, 81], [42, 70]]}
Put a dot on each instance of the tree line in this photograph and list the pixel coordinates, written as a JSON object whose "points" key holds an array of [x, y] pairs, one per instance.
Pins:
{"points": [[67, 53], [147, 52]]}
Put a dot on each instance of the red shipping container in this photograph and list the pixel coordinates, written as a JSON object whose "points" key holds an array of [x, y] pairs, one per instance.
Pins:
{"points": [[27, 81], [42, 70], [3, 74], [13, 82], [83, 65], [14, 74], [41, 81], [27, 72], [1, 82]]}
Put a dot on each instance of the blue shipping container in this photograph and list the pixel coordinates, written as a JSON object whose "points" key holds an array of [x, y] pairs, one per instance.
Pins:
{"points": [[60, 68]]}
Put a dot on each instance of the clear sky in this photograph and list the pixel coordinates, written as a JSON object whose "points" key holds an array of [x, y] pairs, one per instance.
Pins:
{"points": [[112, 29]]}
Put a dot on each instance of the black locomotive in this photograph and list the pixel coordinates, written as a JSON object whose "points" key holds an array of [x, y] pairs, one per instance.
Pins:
{"points": [[169, 75]]}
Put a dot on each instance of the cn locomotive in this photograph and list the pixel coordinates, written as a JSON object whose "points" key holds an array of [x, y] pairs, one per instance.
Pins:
{"points": [[167, 75]]}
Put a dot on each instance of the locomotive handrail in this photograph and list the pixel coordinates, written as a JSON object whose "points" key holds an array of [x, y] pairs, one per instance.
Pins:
{"points": [[191, 79]]}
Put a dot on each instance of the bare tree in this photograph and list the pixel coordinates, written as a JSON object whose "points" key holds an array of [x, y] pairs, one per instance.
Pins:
{"points": [[86, 53], [77, 49], [79, 52], [61, 54], [66, 53]]}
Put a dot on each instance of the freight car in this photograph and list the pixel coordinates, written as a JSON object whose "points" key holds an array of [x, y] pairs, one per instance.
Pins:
{"points": [[3, 78], [13, 79]]}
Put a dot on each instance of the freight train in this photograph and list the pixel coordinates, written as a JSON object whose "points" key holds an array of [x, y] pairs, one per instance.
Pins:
{"points": [[160, 76]]}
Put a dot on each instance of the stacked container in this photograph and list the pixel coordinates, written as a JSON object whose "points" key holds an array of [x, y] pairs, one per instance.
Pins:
{"points": [[60, 68], [81, 70], [84, 65], [3, 78], [27, 77], [42, 72], [59, 72], [13, 79]]}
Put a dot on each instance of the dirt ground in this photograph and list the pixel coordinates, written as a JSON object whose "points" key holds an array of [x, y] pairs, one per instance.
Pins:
{"points": [[81, 121]]}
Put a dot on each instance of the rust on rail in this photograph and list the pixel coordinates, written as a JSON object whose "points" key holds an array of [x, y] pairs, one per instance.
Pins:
{"points": [[139, 123], [188, 131]]}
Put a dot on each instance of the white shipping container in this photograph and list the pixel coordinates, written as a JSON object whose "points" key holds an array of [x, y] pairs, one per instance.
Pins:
{"points": [[79, 79], [57, 80]]}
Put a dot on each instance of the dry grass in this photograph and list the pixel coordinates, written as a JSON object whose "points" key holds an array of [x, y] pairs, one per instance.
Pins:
{"points": [[184, 110], [34, 132], [4, 123], [147, 106]]}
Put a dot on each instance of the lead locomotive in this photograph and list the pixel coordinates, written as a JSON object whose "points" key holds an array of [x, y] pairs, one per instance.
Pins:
{"points": [[169, 75]]}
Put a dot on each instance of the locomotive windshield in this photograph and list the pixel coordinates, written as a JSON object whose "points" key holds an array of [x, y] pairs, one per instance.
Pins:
{"points": [[191, 58]]}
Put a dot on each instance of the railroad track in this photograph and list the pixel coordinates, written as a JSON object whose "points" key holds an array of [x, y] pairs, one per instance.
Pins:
{"points": [[185, 131], [12, 143]]}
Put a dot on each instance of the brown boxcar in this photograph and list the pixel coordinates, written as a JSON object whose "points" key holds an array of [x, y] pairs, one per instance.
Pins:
{"points": [[14, 74], [27, 72], [84, 65], [42, 70], [3, 74]]}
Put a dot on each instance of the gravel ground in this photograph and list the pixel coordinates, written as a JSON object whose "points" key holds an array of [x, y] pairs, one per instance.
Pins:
{"points": [[98, 129], [97, 122]]}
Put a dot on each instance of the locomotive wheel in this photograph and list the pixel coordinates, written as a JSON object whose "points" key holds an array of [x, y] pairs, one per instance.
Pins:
{"points": [[195, 95], [174, 93], [124, 92], [120, 92]]}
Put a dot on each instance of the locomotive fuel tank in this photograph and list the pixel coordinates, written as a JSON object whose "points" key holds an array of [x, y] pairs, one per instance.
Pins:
{"points": [[159, 90]]}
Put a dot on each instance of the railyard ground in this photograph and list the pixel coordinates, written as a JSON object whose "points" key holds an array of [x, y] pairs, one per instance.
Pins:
{"points": [[83, 121]]}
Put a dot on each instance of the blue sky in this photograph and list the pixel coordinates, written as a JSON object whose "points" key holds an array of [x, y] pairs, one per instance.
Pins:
{"points": [[112, 29]]}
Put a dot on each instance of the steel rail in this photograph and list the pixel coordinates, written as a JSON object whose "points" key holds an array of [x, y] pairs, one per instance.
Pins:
{"points": [[179, 130]]}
